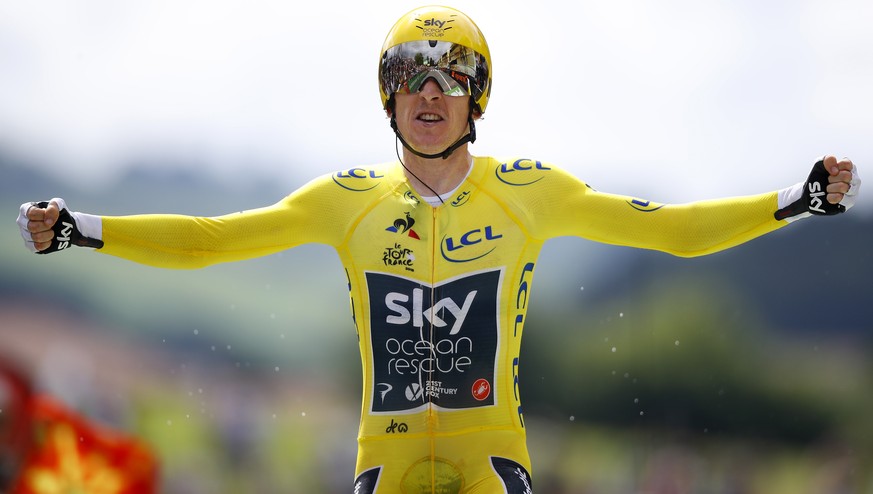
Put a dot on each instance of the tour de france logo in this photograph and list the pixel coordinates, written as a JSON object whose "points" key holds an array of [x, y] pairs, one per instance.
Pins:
{"points": [[397, 255]]}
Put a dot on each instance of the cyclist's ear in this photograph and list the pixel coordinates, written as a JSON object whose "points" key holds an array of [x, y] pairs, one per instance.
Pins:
{"points": [[389, 106]]}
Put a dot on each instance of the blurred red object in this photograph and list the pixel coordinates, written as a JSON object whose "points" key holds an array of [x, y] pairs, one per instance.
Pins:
{"points": [[46, 448]]}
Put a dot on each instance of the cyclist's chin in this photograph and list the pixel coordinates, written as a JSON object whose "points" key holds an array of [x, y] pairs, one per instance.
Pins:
{"points": [[431, 148], [432, 140]]}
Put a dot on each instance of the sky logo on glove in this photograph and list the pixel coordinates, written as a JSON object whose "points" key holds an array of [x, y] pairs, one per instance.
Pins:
{"points": [[811, 198], [65, 235], [815, 197]]}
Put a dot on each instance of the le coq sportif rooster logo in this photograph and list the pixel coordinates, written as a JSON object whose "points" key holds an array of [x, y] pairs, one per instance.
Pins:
{"points": [[403, 226]]}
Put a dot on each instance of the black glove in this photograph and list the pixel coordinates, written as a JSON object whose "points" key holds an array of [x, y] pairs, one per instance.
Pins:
{"points": [[67, 230], [813, 197]]}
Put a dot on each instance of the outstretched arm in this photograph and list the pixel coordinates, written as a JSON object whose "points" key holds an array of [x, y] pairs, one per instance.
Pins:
{"points": [[568, 207], [165, 240], [309, 215]]}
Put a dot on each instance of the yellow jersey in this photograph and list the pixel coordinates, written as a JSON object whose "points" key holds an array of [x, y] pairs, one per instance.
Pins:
{"points": [[439, 295]]}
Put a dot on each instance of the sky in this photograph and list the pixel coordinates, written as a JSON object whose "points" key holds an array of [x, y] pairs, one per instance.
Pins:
{"points": [[669, 100]]}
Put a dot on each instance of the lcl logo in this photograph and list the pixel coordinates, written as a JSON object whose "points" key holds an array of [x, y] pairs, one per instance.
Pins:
{"points": [[357, 179], [451, 246], [521, 172]]}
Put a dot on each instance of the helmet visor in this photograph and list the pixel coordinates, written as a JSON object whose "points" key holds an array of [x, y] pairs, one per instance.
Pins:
{"points": [[459, 70]]}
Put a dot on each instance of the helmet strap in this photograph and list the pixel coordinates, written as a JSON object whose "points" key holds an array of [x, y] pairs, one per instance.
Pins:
{"points": [[470, 137]]}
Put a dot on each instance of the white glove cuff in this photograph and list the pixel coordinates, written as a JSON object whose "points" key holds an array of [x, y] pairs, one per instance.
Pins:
{"points": [[90, 226], [789, 195]]}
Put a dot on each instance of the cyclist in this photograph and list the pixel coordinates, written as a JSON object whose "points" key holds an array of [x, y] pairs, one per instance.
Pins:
{"points": [[440, 248]]}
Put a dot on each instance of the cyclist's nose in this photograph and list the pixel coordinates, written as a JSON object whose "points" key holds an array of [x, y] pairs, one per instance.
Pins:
{"points": [[430, 90]]}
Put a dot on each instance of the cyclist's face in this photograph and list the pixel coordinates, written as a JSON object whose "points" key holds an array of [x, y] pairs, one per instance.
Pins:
{"points": [[429, 120]]}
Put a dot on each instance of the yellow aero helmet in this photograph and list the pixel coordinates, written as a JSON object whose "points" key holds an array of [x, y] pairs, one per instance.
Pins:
{"points": [[438, 43]]}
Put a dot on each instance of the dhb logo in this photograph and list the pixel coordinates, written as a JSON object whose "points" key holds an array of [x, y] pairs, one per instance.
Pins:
{"points": [[395, 427], [521, 172]]}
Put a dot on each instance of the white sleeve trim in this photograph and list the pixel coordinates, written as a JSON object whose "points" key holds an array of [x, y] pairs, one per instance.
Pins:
{"points": [[90, 226], [790, 195]]}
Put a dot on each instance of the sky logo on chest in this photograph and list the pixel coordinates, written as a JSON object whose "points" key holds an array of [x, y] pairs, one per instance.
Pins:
{"points": [[433, 344]]}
